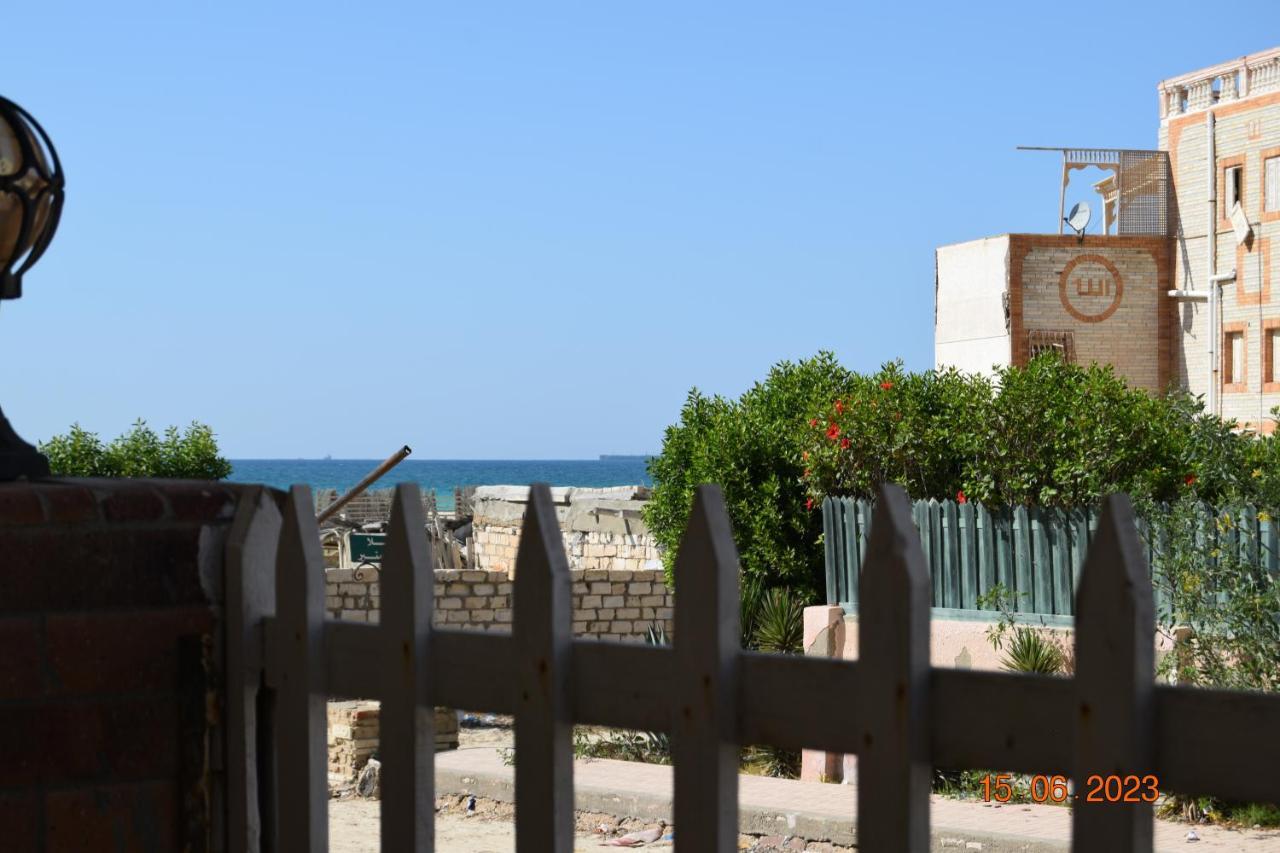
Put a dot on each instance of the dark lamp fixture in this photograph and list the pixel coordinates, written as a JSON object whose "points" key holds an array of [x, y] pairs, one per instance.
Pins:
{"points": [[31, 192]]}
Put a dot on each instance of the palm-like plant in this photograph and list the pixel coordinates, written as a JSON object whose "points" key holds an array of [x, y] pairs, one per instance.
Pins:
{"points": [[779, 625], [1031, 651]]}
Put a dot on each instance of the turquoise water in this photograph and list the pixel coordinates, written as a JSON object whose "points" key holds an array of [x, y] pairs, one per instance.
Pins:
{"points": [[442, 474]]}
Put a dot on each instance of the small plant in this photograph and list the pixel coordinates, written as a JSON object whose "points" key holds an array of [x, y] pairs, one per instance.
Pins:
{"points": [[1028, 649], [1031, 651], [623, 745], [779, 625], [656, 635]]}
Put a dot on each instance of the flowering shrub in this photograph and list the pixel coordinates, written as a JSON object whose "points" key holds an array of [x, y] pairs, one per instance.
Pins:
{"points": [[1049, 434], [1052, 434], [751, 447]]}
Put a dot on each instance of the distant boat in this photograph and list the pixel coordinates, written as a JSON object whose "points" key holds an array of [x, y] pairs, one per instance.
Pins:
{"points": [[328, 459]]}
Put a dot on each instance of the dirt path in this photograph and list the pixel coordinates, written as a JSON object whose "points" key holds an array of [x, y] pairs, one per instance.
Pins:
{"points": [[353, 828]]}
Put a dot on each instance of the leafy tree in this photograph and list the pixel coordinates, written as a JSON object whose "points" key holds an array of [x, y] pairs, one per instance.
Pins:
{"points": [[751, 448], [190, 454]]}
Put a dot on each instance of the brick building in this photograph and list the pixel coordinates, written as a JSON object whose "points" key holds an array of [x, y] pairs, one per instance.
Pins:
{"points": [[1150, 294]]}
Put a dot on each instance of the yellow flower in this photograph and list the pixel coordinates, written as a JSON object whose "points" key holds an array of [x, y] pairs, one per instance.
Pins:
{"points": [[1257, 472], [1264, 516]]}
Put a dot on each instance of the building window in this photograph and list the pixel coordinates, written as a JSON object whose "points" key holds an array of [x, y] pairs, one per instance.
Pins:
{"points": [[1234, 188], [1271, 184], [1271, 355], [1233, 365], [1041, 341]]}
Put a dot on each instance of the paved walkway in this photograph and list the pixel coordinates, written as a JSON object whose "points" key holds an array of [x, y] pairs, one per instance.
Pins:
{"points": [[817, 811]]}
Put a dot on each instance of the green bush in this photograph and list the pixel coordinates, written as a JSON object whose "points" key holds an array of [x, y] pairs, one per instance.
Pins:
{"points": [[1048, 434], [751, 448], [192, 454]]}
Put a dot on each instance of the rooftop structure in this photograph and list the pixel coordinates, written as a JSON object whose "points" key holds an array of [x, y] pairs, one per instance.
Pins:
{"points": [[1174, 288]]}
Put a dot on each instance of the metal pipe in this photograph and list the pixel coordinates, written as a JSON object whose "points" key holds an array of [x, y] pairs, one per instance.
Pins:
{"points": [[392, 461], [1211, 255]]}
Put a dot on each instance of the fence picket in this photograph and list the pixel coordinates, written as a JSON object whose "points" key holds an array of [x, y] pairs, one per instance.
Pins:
{"points": [[1115, 683], [1022, 560], [1267, 538], [303, 780], [986, 551], [542, 635], [933, 556], [251, 597], [704, 728], [1079, 545], [968, 558], [893, 655], [407, 719], [832, 530], [1003, 519], [1060, 554], [852, 553], [1041, 563], [950, 555]]}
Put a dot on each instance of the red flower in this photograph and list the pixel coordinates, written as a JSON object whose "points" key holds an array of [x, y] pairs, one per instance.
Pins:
{"points": [[885, 386], [808, 503], [839, 407], [833, 431], [844, 444], [813, 422], [805, 455], [960, 498], [1190, 479]]}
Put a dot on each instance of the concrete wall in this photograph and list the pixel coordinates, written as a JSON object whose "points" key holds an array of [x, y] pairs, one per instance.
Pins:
{"points": [[607, 605], [970, 333], [602, 528]]}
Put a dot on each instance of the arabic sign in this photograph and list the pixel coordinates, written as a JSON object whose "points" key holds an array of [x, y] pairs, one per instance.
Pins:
{"points": [[1090, 288], [367, 547]]}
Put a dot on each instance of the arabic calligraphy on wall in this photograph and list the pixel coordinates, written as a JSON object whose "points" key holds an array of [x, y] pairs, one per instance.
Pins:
{"points": [[1090, 288]]}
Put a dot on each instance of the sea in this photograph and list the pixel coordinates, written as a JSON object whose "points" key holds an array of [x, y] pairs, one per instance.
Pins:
{"points": [[443, 475]]}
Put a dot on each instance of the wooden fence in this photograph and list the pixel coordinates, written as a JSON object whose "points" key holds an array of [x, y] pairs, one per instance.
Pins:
{"points": [[1037, 553], [899, 716]]}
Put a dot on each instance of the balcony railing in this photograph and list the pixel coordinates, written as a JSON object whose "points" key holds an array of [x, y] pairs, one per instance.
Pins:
{"points": [[1230, 81]]}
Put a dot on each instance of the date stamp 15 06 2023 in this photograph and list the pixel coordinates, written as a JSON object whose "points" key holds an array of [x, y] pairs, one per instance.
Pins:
{"points": [[1098, 788]]}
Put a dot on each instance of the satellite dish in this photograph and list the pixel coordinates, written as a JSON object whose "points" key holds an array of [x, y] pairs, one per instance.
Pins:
{"points": [[1078, 218]]}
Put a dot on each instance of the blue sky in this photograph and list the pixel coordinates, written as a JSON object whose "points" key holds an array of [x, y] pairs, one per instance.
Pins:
{"points": [[525, 230]]}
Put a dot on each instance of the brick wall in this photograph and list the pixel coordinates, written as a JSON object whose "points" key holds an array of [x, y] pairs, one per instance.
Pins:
{"points": [[602, 528], [607, 604], [1129, 324], [1246, 132], [110, 620], [353, 736]]}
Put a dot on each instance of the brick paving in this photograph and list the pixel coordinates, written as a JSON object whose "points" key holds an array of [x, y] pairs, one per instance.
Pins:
{"points": [[819, 811]]}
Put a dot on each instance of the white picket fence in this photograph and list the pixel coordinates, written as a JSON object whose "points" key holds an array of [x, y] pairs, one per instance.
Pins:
{"points": [[898, 714]]}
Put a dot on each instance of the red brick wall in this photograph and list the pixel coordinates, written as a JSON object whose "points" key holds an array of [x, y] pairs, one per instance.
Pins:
{"points": [[110, 615]]}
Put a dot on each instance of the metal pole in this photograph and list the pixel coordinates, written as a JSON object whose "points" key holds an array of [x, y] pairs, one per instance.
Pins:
{"points": [[392, 461]]}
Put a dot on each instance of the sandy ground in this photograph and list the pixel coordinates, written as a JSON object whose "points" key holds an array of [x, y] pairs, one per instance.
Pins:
{"points": [[353, 828]]}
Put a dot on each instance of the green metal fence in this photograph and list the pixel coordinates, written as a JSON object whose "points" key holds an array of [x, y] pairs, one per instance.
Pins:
{"points": [[1033, 551]]}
